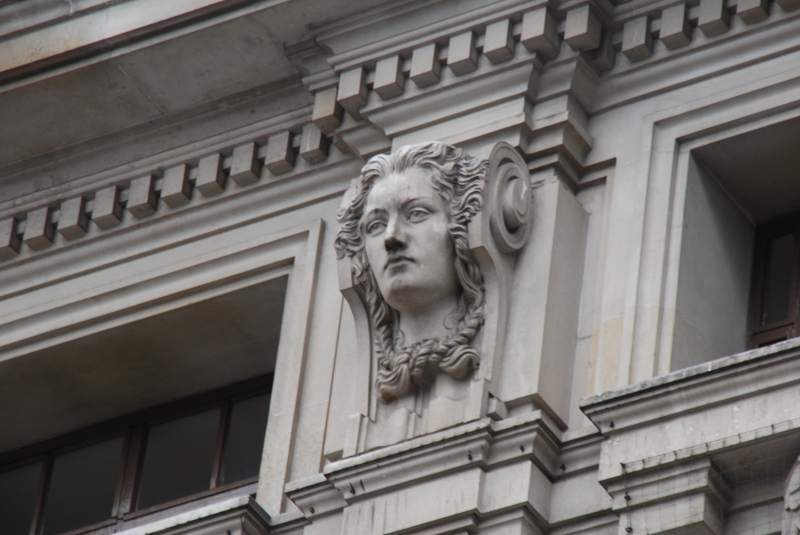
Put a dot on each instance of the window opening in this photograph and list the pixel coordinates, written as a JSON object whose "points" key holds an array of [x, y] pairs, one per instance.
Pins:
{"points": [[18, 493], [243, 449], [178, 459], [140, 463], [82, 487], [779, 279], [774, 315]]}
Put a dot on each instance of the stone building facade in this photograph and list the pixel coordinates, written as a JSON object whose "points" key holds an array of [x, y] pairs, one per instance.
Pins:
{"points": [[170, 177]]}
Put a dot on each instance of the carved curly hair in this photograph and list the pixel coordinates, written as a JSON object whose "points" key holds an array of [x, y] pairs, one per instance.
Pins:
{"points": [[458, 178]]}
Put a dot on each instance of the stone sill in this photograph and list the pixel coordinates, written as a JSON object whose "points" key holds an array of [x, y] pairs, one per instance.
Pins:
{"points": [[747, 375], [227, 511]]}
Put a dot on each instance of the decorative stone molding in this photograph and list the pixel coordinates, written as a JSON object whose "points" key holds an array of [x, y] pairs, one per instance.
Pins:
{"points": [[384, 491], [685, 498], [671, 458], [165, 190], [499, 72], [674, 24], [495, 232], [371, 82], [239, 515], [633, 406]]}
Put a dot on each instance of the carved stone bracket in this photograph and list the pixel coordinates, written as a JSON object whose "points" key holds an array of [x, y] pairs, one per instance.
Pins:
{"points": [[496, 233]]}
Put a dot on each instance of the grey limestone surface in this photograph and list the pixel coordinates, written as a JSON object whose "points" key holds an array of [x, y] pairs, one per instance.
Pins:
{"points": [[653, 139]]}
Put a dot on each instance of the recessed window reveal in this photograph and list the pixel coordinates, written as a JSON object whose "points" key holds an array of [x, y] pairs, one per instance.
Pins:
{"points": [[187, 452]]}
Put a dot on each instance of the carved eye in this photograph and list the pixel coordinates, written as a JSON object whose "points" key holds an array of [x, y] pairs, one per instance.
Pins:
{"points": [[375, 227], [417, 214]]}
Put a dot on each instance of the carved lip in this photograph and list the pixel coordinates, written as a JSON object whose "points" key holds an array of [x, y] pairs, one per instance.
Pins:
{"points": [[393, 260]]}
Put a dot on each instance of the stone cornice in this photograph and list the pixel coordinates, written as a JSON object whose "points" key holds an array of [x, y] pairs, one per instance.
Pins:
{"points": [[562, 88], [678, 439], [483, 443], [48, 175], [19, 17], [701, 58], [699, 387], [482, 452], [166, 185], [408, 84], [628, 43], [236, 515], [409, 35], [83, 29]]}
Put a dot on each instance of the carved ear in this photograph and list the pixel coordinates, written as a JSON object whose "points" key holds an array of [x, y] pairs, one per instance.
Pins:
{"points": [[507, 198]]}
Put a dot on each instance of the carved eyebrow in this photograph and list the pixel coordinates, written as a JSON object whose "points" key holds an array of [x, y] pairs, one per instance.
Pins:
{"points": [[415, 199], [373, 212]]}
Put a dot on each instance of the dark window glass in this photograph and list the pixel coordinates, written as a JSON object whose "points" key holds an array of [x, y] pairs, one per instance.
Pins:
{"points": [[779, 279], [245, 439], [179, 458], [82, 487], [18, 499]]}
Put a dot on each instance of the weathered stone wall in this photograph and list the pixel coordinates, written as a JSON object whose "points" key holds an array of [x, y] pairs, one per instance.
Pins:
{"points": [[155, 155]]}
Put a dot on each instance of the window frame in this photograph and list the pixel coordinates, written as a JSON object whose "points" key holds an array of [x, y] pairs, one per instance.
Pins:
{"points": [[133, 428], [188, 262], [759, 334]]}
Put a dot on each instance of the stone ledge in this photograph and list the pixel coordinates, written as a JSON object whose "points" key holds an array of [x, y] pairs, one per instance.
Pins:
{"points": [[643, 402], [479, 447], [238, 514]]}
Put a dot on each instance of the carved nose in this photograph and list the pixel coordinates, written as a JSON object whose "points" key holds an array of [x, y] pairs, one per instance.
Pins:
{"points": [[393, 244], [393, 236]]}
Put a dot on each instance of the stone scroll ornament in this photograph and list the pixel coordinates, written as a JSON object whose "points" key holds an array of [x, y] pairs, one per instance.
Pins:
{"points": [[791, 502], [405, 227]]}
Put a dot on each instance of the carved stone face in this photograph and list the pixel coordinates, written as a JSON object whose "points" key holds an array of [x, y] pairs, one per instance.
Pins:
{"points": [[407, 243]]}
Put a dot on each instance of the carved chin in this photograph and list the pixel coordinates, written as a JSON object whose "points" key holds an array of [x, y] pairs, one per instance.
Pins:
{"points": [[401, 289], [411, 299]]}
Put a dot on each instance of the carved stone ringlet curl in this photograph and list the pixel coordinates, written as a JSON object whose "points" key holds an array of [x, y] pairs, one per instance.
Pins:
{"points": [[508, 198]]}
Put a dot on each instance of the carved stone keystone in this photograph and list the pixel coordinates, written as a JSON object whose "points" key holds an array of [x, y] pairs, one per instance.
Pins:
{"points": [[426, 251]]}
